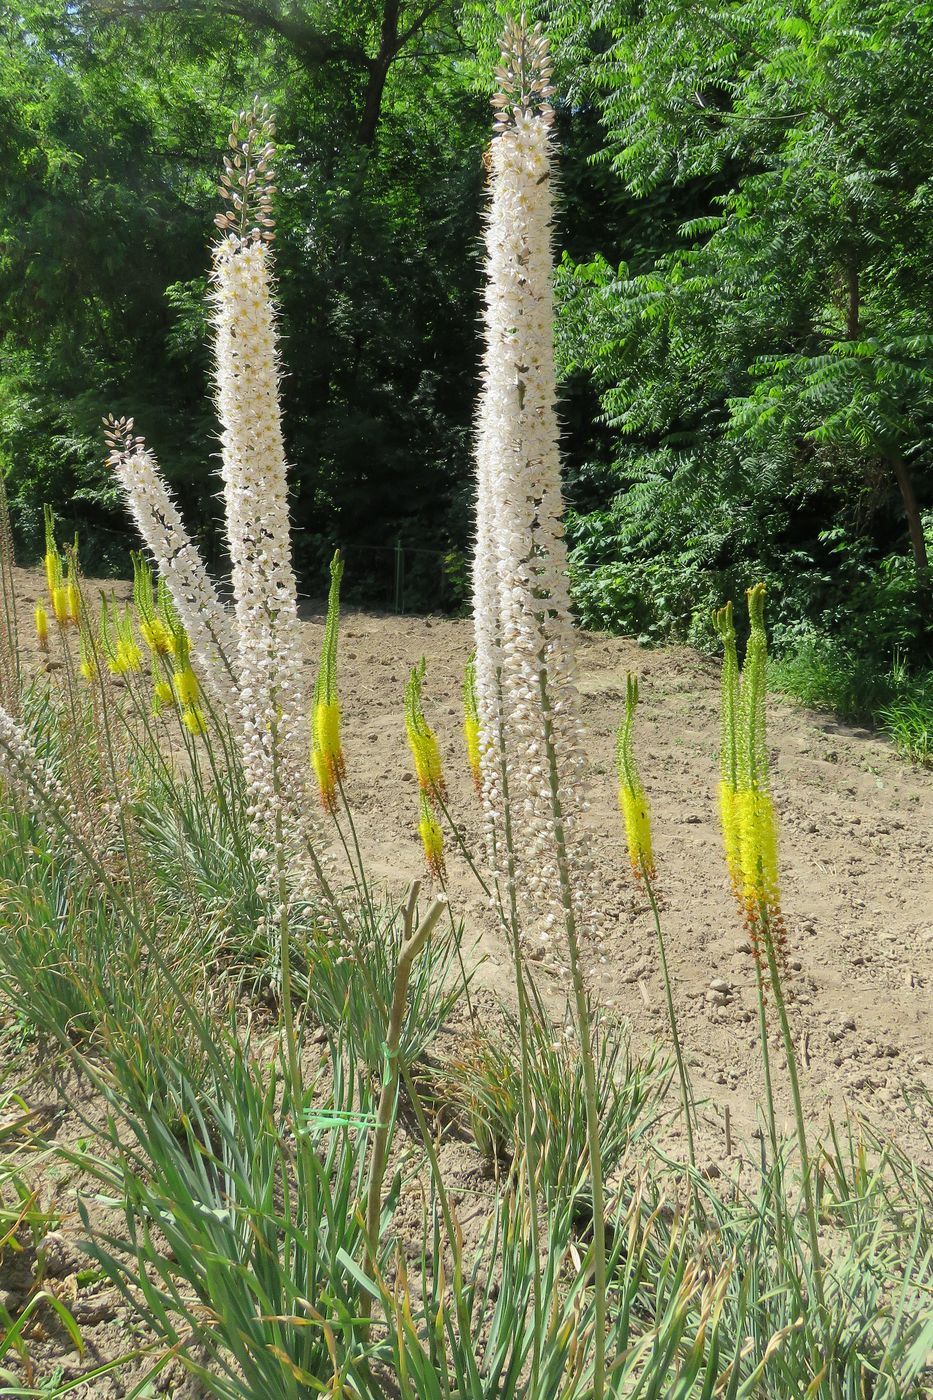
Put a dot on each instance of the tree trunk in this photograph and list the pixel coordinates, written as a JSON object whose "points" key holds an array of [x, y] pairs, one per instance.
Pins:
{"points": [[378, 72], [914, 523]]}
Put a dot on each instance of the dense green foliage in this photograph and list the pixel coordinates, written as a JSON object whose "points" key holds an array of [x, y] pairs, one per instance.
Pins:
{"points": [[745, 289], [763, 355]]}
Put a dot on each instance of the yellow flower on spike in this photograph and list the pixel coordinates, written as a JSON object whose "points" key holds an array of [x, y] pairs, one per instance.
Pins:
{"points": [[746, 808], [633, 802], [421, 737], [153, 629], [186, 686], [60, 605], [72, 596], [116, 639], [184, 681], [54, 572], [432, 839], [731, 834], [471, 724], [156, 636], [42, 627], [327, 757], [193, 719], [758, 841], [127, 645], [163, 697]]}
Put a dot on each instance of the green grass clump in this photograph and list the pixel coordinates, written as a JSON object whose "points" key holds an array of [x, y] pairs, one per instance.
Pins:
{"points": [[829, 674]]}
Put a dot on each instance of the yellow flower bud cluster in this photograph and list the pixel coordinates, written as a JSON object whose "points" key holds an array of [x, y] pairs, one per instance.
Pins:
{"points": [[428, 769], [326, 749], [633, 802]]}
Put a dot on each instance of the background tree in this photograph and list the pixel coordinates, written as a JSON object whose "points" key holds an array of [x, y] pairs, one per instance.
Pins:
{"points": [[765, 365]]}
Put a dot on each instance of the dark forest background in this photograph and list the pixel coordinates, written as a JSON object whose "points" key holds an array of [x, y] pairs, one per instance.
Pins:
{"points": [[745, 286]]}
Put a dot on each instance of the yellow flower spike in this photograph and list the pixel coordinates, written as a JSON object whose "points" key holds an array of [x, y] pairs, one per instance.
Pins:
{"points": [[748, 817], [471, 724], [126, 641], [60, 605], [72, 585], [432, 839], [171, 622], [758, 840], [421, 737], [42, 627], [327, 757], [109, 641], [151, 626], [192, 718], [632, 800], [184, 681], [54, 572]]}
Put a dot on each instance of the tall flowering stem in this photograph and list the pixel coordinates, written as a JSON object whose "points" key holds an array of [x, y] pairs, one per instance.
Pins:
{"points": [[636, 815], [179, 563], [752, 845], [247, 373], [273, 707], [529, 734]]}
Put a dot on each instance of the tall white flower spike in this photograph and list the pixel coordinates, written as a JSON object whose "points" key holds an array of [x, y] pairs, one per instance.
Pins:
{"points": [[527, 700], [246, 374], [213, 643]]}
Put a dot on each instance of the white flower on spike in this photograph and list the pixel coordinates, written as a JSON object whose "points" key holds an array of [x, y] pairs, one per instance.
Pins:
{"points": [[273, 705], [525, 648], [213, 643]]}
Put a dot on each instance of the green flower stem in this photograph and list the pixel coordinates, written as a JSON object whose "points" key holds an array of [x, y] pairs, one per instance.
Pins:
{"points": [[586, 1046], [521, 991], [686, 1094], [413, 941], [791, 1058]]}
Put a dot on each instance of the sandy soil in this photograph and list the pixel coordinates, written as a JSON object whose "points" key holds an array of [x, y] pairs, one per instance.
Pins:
{"points": [[857, 881]]}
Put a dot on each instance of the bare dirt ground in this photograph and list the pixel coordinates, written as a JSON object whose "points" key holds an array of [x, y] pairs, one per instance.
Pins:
{"points": [[857, 886], [857, 881], [855, 836]]}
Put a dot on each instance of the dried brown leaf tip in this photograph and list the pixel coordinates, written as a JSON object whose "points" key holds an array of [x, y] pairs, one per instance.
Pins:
{"points": [[523, 77], [248, 182], [119, 437]]}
